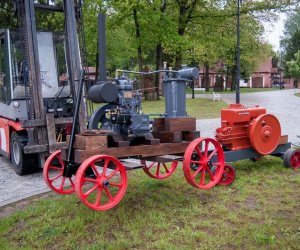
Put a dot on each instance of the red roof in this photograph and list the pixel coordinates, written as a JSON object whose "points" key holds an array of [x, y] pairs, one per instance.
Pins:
{"points": [[265, 66]]}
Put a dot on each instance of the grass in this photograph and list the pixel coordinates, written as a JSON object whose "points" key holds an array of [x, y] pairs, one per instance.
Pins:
{"points": [[298, 94], [199, 107], [259, 211], [242, 90]]}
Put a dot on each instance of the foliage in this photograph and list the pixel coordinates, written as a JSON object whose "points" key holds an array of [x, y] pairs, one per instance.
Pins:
{"points": [[193, 32], [290, 41], [294, 66], [7, 18]]}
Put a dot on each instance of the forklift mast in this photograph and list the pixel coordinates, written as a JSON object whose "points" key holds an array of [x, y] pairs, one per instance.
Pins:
{"points": [[46, 68]]}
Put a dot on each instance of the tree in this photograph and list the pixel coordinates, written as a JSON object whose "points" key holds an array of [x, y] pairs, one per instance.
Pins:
{"points": [[7, 17], [294, 66]]}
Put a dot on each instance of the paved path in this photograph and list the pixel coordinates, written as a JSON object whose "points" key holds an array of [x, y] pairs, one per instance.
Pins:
{"points": [[14, 187], [284, 104]]}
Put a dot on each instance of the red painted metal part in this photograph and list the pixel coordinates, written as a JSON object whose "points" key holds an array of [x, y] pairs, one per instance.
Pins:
{"points": [[53, 175], [235, 122], [264, 134], [6, 127], [292, 158], [159, 170], [228, 176], [243, 128], [16, 125], [101, 182], [197, 164]]}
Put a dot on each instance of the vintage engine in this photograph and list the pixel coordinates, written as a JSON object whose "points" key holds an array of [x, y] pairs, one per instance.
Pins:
{"points": [[243, 128], [123, 112]]}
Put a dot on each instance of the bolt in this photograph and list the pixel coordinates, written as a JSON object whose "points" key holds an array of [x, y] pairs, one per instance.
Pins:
{"points": [[209, 164], [105, 183]]}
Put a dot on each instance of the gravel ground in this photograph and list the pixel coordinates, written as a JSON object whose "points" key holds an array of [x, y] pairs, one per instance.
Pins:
{"points": [[282, 103]]}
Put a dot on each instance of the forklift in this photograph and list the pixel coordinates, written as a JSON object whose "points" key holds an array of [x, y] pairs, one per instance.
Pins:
{"points": [[40, 74]]}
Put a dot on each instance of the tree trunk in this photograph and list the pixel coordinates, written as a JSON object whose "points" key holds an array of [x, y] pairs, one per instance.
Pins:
{"points": [[186, 9], [206, 77], [138, 37], [158, 65], [181, 31]]}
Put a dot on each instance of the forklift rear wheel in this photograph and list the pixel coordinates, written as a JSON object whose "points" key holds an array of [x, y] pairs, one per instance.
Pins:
{"points": [[22, 163], [291, 158]]}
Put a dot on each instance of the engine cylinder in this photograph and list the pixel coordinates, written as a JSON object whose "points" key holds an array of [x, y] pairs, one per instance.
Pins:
{"points": [[189, 73], [103, 93]]}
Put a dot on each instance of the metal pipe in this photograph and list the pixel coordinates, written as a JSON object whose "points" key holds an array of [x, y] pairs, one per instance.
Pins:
{"points": [[75, 119], [238, 54], [101, 48], [144, 73]]}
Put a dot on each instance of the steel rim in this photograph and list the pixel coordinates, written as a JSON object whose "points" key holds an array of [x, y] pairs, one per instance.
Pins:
{"points": [[228, 176], [197, 164], [295, 160], [101, 182], [16, 153], [158, 170], [53, 175]]}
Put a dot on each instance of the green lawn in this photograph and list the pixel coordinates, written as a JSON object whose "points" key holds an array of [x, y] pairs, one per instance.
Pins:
{"points": [[298, 94], [242, 90], [259, 211], [198, 107]]}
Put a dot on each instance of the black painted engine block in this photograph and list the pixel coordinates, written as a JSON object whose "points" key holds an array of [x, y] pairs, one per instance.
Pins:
{"points": [[122, 112]]}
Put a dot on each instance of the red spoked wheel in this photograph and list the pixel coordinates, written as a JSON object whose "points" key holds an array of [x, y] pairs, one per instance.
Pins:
{"points": [[197, 164], [53, 174], [158, 170], [291, 158], [228, 176], [101, 182]]}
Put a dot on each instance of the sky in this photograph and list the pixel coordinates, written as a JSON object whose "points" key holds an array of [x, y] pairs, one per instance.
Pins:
{"points": [[274, 31]]}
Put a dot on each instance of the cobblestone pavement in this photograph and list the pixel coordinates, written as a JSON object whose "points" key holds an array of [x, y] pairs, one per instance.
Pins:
{"points": [[284, 104], [14, 187]]}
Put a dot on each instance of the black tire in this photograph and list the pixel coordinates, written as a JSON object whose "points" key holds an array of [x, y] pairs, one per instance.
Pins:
{"points": [[291, 158], [22, 163]]}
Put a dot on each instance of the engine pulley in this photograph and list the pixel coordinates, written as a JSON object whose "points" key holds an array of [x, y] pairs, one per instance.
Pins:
{"points": [[264, 133]]}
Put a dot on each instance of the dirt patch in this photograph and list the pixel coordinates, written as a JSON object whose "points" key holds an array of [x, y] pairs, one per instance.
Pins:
{"points": [[21, 205], [251, 202]]}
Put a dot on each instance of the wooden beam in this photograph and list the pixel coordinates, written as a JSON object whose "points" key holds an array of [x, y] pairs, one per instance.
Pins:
{"points": [[122, 152]]}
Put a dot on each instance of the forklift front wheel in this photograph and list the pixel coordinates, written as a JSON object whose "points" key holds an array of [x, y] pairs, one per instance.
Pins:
{"points": [[22, 163]]}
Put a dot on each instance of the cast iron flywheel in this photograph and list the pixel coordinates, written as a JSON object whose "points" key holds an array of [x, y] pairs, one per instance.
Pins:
{"points": [[264, 133]]}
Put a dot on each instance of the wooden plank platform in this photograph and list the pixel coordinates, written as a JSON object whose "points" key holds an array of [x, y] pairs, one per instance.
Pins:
{"points": [[164, 158], [131, 151], [129, 165]]}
